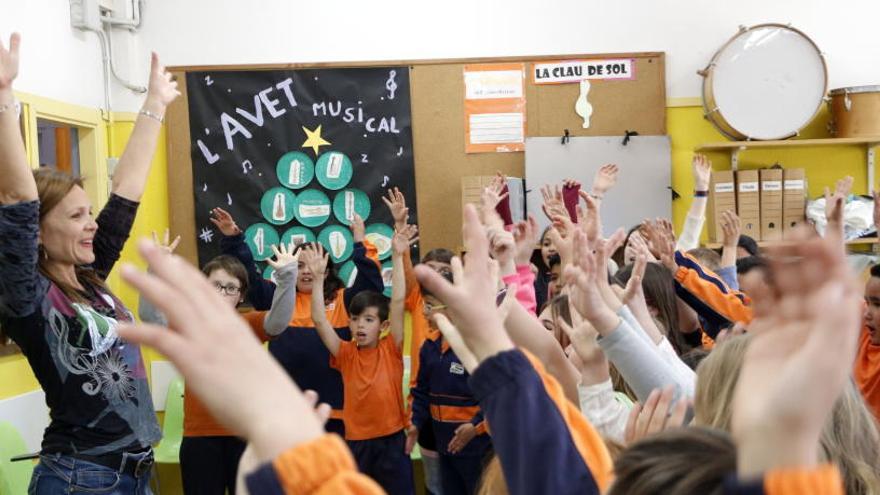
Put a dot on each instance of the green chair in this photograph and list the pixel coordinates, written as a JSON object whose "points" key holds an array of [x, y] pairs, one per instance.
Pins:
{"points": [[14, 476], [168, 450]]}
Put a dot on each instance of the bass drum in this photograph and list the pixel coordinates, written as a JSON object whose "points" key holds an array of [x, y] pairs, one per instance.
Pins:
{"points": [[767, 82], [855, 112]]}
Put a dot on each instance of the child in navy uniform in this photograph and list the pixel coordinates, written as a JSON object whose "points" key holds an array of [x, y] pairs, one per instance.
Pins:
{"points": [[442, 400]]}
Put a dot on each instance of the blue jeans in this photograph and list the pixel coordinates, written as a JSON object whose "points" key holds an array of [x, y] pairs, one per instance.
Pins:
{"points": [[57, 473]]}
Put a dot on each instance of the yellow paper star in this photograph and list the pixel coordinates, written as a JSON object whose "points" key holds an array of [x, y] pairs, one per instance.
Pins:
{"points": [[314, 140]]}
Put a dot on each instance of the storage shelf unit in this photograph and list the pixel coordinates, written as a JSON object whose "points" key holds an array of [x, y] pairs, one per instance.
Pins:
{"points": [[737, 147]]}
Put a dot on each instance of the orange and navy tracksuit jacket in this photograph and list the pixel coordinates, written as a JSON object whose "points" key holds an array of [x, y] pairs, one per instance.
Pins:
{"points": [[543, 442], [717, 305], [443, 398], [299, 349]]}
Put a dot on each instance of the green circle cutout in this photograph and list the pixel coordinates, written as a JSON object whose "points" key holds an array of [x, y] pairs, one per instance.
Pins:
{"points": [[277, 205], [337, 240], [269, 273], [348, 273], [260, 237], [333, 170], [386, 278], [295, 170], [312, 208], [351, 201], [297, 235], [380, 236]]}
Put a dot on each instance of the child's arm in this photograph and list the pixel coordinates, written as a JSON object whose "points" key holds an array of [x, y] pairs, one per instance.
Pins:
{"points": [[366, 259], [400, 247], [693, 223], [316, 260], [260, 291], [284, 301]]}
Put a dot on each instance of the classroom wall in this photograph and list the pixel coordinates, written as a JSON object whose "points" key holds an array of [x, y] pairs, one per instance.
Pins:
{"points": [[56, 61], [208, 32]]}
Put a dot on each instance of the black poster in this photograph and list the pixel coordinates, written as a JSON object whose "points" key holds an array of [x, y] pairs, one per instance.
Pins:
{"points": [[292, 155]]}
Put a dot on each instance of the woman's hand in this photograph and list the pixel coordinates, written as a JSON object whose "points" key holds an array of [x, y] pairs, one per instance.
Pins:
{"points": [[162, 89], [9, 58]]}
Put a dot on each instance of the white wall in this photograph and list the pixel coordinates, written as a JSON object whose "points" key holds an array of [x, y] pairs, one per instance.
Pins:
{"points": [[56, 61], [199, 32], [62, 63]]}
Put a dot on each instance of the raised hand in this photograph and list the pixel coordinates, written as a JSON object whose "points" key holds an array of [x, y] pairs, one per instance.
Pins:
{"points": [[590, 221], [315, 258], [604, 179], [503, 246], [553, 205], [732, 228], [283, 256], [9, 58], [166, 246], [162, 88], [800, 356], [224, 222], [492, 194], [656, 415], [404, 237], [582, 281], [661, 238], [470, 299], [396, 203], [835, 202], [702, 169], [358, 229], [244, 388], [526, 235]]}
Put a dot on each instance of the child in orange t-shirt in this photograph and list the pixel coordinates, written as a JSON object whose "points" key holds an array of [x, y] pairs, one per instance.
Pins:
{"points": [[372, 371]]}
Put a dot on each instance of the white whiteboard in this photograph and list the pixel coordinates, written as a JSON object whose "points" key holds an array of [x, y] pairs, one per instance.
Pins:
{"points": [[642, 189]]}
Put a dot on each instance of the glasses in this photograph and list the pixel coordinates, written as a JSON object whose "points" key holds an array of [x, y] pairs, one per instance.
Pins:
{"points": [[228, 290]]}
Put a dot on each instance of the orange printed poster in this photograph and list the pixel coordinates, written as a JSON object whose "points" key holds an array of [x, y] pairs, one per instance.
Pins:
{"points": [[494, 108]]}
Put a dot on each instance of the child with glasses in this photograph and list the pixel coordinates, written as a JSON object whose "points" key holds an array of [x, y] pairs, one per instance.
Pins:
{"points": [[209, 453]]}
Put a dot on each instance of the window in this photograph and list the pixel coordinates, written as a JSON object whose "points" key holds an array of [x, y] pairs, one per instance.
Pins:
{"points": [[58, 146]]}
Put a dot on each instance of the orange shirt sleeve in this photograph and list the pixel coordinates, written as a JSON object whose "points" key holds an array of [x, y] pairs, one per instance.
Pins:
{"points": [[587, 440], [322, 467], [256, 319]]}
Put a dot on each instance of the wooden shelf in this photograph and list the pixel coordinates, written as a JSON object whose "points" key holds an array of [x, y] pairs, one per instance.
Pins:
{"points": [[737, 147], [853, 242], [788, 143]]}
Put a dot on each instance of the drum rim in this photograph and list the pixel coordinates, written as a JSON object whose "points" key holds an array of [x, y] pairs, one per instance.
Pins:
{"points": [[710, 69], [868, 88]]}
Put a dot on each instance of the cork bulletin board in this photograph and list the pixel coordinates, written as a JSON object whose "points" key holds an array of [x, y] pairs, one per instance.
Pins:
{"points": [[436, 91]]}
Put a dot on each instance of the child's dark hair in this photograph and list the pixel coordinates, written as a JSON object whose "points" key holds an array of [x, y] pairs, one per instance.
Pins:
{"points": [[231, 266], [440, 255], [875, 270], [554, 260], [332, 282], [659, 287], [749, 263], [445, 274], [369, 299], [748, 244]]}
